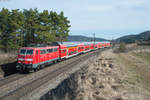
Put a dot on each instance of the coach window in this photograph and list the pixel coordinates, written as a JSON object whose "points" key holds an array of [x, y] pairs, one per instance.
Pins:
{"points": [[29, 52], [55, 49], [37, 52], [40, 51], [51, 50], [45, 51]]}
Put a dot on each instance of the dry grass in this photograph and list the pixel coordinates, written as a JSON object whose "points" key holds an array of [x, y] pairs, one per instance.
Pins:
{"points": [[137, 70], [143, 56], [112, 76]]}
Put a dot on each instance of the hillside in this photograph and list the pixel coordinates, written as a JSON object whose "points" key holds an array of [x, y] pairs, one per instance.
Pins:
{"points": [[83, 38], [133, 38]]}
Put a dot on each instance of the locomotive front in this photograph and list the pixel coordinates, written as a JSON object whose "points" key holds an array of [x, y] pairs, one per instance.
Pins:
{"points": [[25, 59]]}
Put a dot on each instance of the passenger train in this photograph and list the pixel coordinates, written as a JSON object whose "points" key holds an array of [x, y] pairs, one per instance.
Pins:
{"points": [[35, 57]]}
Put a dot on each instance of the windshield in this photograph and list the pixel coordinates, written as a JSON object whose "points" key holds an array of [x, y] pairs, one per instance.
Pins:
{"points": [[22, 51], [29, 52], [26, 52]]}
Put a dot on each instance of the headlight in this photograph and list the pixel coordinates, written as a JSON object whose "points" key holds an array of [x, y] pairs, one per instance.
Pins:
{"points": [[29, 59]]}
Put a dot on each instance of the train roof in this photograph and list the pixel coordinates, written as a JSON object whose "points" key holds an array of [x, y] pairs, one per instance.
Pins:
{"points": [[77, 43], [68, 44]]}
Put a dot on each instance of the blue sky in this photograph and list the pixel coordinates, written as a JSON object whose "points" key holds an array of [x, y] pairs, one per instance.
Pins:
{"points": [[105, 18]]}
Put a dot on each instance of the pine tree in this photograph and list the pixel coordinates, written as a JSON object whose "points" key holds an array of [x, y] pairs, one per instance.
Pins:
{"points": [[15, 28], [44, 32], [19, 28], [4, 29], [30, 26], [64, 27]]}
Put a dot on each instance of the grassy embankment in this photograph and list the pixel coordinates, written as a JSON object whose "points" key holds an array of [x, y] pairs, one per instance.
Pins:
{"points": [[143, 56], [137, 69]]}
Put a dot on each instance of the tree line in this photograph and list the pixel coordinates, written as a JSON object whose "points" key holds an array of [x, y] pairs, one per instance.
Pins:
{"points": [[20, 28]]}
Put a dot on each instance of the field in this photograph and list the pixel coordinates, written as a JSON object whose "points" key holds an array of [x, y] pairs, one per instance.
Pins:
{"points": [[117, 76], [136, 67]]}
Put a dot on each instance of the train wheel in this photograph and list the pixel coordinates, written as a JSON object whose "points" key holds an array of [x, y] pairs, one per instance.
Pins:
{"points": [[41, 66], [54, 62], [30, 71], [38, 68], [21, 71], [35, 69]]}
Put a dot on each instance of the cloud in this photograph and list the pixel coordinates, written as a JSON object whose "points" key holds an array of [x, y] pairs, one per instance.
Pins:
{"points": [[119, 4]]}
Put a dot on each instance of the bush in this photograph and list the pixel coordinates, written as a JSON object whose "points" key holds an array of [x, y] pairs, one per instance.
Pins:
{"points": [[121, 48]]}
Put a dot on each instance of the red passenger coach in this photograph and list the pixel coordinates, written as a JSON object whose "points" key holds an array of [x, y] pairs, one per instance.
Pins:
{"points": [[99, 45], [87, 47], [103, 44], [92, 46], [80, 48], [72, 51], [96, 45], [108, 44], [68, 49]]}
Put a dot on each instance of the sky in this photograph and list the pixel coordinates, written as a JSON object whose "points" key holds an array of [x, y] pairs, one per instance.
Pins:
{"points": [[106, 18]]}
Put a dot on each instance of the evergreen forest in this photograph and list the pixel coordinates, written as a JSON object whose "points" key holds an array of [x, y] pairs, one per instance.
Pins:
{"points": [[18, 28]]}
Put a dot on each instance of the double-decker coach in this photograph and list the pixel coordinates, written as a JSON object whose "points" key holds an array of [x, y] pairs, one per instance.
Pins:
{"points": [[71, 48], [92, 46], [87, 47], [81, 48]]}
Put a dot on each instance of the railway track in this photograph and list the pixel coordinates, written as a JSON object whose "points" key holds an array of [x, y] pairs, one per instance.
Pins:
{"points": [[30, 85], [10, 78]]}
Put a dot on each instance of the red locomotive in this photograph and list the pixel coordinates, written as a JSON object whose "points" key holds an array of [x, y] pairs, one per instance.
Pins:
{"points": [[33, 58]]}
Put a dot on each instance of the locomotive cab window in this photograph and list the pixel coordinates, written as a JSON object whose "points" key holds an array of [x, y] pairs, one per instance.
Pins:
{"points": [[22, 52], [26, 52], [29, 52]]}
